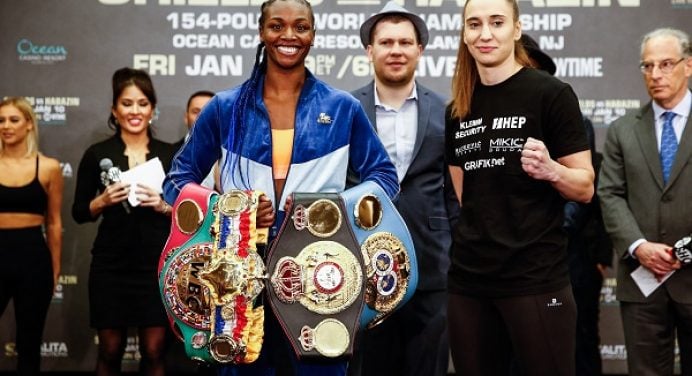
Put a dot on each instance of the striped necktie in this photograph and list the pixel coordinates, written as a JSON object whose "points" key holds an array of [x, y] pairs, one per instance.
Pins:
{"points": [[669, 145]]}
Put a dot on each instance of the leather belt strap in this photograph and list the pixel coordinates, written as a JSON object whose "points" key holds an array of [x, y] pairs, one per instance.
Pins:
{"points": [[316, 275], [387, 248]]}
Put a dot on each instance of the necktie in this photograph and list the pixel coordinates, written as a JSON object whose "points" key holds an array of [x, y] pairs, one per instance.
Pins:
{"points": [[669, 145]]}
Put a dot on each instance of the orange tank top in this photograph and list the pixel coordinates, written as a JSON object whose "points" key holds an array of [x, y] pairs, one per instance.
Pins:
{"points": [[282, 147]]}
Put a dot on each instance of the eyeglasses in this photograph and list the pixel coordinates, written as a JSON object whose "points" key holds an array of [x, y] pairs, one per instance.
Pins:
{"points": [[666, 66]]}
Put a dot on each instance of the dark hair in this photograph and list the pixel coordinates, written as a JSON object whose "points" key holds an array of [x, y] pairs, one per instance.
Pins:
{"points": [[200, 93], [268, 3], [248, 90], [124, 78]]}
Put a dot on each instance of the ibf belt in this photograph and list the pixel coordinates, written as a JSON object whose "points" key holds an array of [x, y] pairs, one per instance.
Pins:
{"points": [[316, 275], [387, 248], [209, 285]]}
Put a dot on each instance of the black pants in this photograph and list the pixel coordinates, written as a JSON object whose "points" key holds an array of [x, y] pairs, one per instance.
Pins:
{"points": [[412, 341], [587, 295], [27, 279], [538, 330]]}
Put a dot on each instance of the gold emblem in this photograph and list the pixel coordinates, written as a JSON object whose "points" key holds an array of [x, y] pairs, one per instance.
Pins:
{"points": [[232, 203], [322, 218], [232, 275], [224, 349], [188, 217], [184, 292], [325, 278], [368, 212], [330, 338], [387, 271]]}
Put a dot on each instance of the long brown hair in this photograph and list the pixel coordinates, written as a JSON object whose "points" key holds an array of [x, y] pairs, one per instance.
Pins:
{"points": [[466, 73]]}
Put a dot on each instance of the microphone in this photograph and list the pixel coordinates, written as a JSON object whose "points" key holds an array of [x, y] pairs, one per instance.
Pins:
{"points": [[111, 174], [683, 250]]}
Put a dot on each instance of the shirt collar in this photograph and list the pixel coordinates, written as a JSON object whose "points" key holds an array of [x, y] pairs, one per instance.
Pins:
{"points": [[682, 109], [412, 96]]}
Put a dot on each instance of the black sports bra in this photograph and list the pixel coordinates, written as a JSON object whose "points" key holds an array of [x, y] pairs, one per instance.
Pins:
{"points": [[30, 198]]}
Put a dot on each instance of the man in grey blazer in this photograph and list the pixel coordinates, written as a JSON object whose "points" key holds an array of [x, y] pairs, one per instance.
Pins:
{"points": [[647, 207], [409, 119]]}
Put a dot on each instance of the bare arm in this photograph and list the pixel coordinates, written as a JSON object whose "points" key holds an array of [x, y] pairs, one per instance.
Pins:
{"points": [[572, 175], [457, 176], [53, 216]]}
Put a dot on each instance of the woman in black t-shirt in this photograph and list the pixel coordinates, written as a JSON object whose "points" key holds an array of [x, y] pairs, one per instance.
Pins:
{"points": [[517, 149]]}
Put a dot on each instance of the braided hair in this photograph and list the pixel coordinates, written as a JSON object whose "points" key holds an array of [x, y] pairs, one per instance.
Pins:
{"points": [[248, 90]]}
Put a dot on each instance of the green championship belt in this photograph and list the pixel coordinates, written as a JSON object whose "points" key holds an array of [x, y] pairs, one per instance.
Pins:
{"points": [[210, 283]]}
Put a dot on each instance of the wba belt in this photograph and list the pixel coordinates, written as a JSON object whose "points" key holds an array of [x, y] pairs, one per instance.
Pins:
{"points": [[210, 283], [341, 262]]}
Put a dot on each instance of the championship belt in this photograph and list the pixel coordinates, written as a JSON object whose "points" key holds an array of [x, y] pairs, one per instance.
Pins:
{"points": [[391, 267], [210, 283], [316, 276], [188, 217]]}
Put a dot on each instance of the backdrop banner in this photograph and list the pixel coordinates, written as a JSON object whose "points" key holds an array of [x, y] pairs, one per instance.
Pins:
{"points": [[61, 55]]}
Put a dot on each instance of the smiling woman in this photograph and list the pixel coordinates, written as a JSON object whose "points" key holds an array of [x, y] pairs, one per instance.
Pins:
{"points": [[129, 239], [282, 131]]}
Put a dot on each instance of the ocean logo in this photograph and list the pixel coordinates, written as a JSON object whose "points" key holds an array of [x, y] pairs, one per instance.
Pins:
{"points": [[31, 52]]}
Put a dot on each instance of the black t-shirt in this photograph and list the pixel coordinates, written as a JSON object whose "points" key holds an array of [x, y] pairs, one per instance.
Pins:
{"points": [[509, 240]]}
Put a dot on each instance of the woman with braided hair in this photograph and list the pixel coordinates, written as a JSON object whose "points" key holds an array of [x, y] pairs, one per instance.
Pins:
{"points": [[282, 131]]}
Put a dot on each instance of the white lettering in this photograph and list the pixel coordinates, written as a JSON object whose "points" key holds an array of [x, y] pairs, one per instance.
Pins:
{"points": [[212, 65], [579, 66], [510, 122]]}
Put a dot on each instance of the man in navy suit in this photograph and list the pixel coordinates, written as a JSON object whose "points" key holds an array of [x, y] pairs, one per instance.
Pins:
{"points": [[409, 119]]}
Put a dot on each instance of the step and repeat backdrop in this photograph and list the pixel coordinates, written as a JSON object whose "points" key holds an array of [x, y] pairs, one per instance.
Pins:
{"points": [[61, 54]]}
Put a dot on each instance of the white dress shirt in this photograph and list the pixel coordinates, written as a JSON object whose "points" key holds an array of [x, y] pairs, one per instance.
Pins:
{"points": [[397, 129]]}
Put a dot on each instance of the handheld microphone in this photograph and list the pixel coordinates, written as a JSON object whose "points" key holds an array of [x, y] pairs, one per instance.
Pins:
{"points": [[683, 250], [111, 174]]}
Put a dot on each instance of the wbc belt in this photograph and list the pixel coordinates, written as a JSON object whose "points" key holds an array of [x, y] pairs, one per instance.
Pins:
{"points": [[188, 218], [316, 276], [210, 283]]}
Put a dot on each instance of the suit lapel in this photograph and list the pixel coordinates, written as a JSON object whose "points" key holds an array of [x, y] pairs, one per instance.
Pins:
{"points": [[646, 134], [369, 103], [423, 117], [684, 152]]}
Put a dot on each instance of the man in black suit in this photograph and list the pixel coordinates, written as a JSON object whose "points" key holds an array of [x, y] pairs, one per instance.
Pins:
{"points": [[409, 119], [645, 188]]}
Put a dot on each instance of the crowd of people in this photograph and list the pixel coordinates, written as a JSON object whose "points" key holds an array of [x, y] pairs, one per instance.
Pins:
{"points": [[512, 243]]}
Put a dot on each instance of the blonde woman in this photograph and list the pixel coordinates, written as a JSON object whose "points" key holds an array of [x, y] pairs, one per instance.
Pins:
{"points": [[31, 186]]}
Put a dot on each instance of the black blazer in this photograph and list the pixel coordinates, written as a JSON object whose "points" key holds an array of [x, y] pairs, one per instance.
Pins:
{"points": [[426, 201]]}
